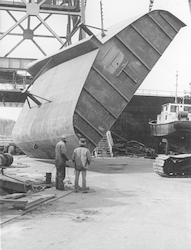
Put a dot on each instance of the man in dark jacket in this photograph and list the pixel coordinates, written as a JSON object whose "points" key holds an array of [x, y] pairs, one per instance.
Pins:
{"points": [[60, 162], [81, 158]]}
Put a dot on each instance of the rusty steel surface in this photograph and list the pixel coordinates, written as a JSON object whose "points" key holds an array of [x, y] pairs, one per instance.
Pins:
{"points": [[88, 85]]}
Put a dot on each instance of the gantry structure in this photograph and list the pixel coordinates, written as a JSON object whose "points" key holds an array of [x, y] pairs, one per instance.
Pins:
{"points": [[28, 17], [22, 14]]}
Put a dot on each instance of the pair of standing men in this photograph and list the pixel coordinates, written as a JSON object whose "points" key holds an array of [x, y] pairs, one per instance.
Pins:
{"points": [[81, 158]]}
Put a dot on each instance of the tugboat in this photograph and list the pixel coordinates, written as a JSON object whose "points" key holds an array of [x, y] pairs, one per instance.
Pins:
{"points": [[173, 128]]}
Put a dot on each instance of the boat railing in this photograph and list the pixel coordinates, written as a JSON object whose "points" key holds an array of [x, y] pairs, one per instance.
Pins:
{"points": [[152, 92]]}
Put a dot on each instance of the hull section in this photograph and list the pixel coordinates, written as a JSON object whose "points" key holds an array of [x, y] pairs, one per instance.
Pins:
{"points": [[88, 85], [39, 128], [162, 130], [171, 128]]}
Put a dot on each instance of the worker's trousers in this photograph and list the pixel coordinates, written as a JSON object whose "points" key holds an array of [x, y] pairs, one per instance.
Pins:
{"points": [[77, 175], [60, 176]]}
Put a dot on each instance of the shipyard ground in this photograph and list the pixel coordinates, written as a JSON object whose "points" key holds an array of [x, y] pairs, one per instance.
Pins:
{"points": [[128, 207]]}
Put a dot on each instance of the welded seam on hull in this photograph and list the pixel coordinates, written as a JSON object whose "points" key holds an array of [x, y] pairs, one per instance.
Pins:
{"points": [[107, 51], [123, 70], [124, 65], [112, 59], [162, 15], [62, 56], [155, 21], [121, 94], [100, 103], [135, 28], [39, 73], [77, 112], [86, 136], [133, 52]]}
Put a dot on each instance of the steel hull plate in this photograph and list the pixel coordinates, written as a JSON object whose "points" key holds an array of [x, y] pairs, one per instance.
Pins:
{"points": [[89, 89]]}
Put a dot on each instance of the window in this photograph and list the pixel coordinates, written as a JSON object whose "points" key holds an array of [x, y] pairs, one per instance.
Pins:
{"points": [[164, 107], [173, 108], [187, 108]]}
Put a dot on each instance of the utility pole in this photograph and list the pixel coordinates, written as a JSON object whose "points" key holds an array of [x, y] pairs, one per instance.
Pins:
{"points": [[151, 5], [102, 28], [83, 18], [189, 3], [176, 86]]}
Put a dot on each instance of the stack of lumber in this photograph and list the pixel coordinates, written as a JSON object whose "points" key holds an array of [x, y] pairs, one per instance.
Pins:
{"points": [[23, 201], [15, 182]]}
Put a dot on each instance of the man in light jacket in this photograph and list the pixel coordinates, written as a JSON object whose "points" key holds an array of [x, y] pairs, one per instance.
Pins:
{"points": [[60, 162], [81, 158]]}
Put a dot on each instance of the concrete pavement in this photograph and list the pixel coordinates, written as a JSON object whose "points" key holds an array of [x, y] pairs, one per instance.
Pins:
{"points": [[128, 207]]}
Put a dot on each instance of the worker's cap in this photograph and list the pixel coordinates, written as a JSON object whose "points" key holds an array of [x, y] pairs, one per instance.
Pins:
{"points": [[63, 137], [82, 141]]}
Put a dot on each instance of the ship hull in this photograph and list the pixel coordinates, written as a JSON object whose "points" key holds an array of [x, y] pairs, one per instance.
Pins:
{"points": [[82, 90], [170, 129]]}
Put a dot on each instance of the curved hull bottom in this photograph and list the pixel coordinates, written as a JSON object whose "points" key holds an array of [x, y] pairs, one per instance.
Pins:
{"points": [[170, 129], [45, 149]]}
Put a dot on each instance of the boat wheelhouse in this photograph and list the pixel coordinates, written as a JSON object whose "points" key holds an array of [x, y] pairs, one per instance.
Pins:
{"points": [[174, 112], [174, 124]]}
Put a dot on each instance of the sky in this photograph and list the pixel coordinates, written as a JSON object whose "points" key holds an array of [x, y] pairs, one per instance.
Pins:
{"points": [[177, 57]]}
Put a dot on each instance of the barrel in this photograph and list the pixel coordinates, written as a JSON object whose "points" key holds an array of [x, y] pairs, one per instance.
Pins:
{"points": [[48, 178]]}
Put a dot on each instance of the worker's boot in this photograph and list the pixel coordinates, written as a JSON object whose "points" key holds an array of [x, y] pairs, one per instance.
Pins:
{"points": [[59, 183]]}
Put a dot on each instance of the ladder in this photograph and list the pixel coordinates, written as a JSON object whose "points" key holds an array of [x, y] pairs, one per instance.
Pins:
{"points": [[104, 148]]}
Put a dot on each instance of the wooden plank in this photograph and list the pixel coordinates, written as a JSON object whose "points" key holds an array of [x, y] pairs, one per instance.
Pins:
{"points": [[33, 202], [28, 201], [7, 183], [15, 202], [14, 196]]}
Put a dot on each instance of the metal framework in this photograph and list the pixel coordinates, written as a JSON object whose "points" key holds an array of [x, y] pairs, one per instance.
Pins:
{"points": [[41, 10], [34, 8], [73, 14]]}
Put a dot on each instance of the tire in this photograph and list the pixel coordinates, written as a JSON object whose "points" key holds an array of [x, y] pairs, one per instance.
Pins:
{"points": [[2, 160], [9, 159]]}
